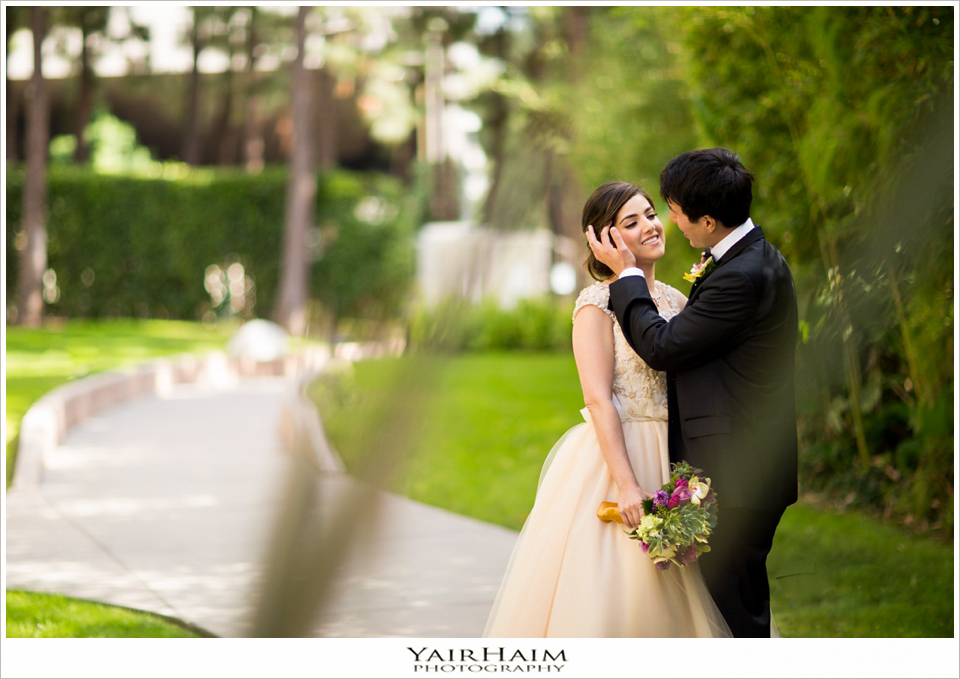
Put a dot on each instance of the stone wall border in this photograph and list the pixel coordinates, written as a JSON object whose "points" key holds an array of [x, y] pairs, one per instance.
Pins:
{"points": [[48, 420], [300, 430]]}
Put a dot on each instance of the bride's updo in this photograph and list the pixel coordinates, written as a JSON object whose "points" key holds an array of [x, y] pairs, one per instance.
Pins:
{"points": [[601, 210]]}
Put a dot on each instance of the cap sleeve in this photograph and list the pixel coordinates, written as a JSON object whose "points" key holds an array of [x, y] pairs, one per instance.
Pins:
{"points": [[598, 295]]}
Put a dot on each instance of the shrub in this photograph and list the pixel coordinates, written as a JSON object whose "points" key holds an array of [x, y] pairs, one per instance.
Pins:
{"points": [[455, 326], [138, 246]]}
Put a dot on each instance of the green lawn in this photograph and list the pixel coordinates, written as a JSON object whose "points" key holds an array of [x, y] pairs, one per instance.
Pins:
{"points": [[37, 360], [479, 428], [848, 575], [481, 437], [479, 446], [32, 615]]}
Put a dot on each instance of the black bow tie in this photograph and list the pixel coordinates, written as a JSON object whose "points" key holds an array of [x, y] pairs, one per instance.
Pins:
{"points": [[706, 253]]}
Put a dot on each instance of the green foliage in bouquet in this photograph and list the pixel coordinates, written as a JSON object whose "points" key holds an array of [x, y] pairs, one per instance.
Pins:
{"points": [[678, 519]]}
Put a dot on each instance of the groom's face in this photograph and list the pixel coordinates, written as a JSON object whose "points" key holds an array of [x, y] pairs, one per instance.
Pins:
{"points": [[698, 233]]}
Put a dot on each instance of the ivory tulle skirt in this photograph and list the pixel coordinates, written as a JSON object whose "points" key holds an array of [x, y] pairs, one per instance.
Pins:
{"points": [[571, 575]]}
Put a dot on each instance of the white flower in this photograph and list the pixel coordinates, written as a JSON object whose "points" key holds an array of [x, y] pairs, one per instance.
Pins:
{"points": [[699, 488]]}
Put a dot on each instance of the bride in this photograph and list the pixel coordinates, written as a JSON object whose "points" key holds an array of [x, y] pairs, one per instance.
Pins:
{"points": [[570, 574]]}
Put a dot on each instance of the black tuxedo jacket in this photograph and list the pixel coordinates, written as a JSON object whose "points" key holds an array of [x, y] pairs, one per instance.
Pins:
{"points": [[729, 358]]}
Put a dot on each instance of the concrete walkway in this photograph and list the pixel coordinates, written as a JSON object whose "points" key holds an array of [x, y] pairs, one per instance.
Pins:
{"points": [[171, 503]]}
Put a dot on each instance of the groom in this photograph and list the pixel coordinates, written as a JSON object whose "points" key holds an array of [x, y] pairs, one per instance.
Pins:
{"points": [[729, 359]]}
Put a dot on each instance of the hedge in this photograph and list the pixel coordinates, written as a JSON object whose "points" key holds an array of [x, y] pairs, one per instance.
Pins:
{"points": [[535, 324], [128, 246]]}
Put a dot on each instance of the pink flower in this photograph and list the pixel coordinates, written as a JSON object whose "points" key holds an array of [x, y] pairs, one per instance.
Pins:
{"points": [[679, 482], [680, 494], [688, 554], [644, 546]]}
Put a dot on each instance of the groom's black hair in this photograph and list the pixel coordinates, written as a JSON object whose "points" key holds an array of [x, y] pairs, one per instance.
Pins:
{"points": [[709, 182]]}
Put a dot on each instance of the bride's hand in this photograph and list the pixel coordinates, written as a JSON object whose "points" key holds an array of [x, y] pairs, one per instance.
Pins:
{"points": [[630, 506]]}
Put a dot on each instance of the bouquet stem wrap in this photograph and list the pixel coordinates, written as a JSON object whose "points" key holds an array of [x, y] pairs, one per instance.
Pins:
{"points": [[608, 511]]}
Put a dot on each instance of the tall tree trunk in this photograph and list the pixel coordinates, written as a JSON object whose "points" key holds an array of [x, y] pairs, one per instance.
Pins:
{"points": [[563, 197], [252, 145], [33, 258], [191, 139], [85, 95], [226, 141], [13, 100], [291, 307], [326, 105], [401, 161], [445, 201], [444, 195], [564, 194], [13, 114], [497, 124]]}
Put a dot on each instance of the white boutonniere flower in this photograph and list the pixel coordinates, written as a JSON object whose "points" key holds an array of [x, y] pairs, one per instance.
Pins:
{"points": [[700, 269]]}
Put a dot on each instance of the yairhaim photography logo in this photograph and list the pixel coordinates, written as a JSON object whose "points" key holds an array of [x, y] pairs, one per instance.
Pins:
{"points": [[487, 660]]}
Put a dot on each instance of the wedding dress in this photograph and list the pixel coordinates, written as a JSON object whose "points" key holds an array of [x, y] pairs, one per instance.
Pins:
{"points": [[572, 575]]}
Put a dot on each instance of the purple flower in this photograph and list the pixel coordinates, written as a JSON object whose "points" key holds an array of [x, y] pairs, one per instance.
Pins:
{"points": [[663, 565], [644, 546], [680, 481], [680, 494], [660, 498]]}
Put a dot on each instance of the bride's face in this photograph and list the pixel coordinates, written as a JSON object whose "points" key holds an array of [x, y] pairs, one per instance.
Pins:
{"points": [[641, 229]]}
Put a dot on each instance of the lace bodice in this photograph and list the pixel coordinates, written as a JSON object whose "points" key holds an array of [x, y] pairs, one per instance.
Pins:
{"points": [[641, 391]]}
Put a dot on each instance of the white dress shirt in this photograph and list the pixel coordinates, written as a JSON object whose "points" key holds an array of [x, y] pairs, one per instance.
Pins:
{"points": [[717, 251]]}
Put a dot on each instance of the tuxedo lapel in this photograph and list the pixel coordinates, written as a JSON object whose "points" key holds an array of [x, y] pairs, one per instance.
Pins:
{"points": [[696, 285], [755, 234]]}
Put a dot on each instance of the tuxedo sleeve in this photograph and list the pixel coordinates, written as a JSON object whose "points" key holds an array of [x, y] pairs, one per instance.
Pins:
{"points": [[715, 320]]}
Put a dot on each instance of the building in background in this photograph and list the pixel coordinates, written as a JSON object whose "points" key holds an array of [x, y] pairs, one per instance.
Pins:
{"points": [[462, 260]]}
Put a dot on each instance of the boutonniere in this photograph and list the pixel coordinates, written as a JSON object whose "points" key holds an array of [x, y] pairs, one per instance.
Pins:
{"points": [[700, 269]]}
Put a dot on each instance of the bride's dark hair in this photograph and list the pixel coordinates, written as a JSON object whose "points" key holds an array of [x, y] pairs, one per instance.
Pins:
{"points": [[600, 210]]}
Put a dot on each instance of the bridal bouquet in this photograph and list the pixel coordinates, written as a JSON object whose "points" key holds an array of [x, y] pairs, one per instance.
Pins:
{"points": [[677, 521]]}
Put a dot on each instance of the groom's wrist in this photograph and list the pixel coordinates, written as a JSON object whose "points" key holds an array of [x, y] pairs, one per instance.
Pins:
{"points": [[631, 271]]}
